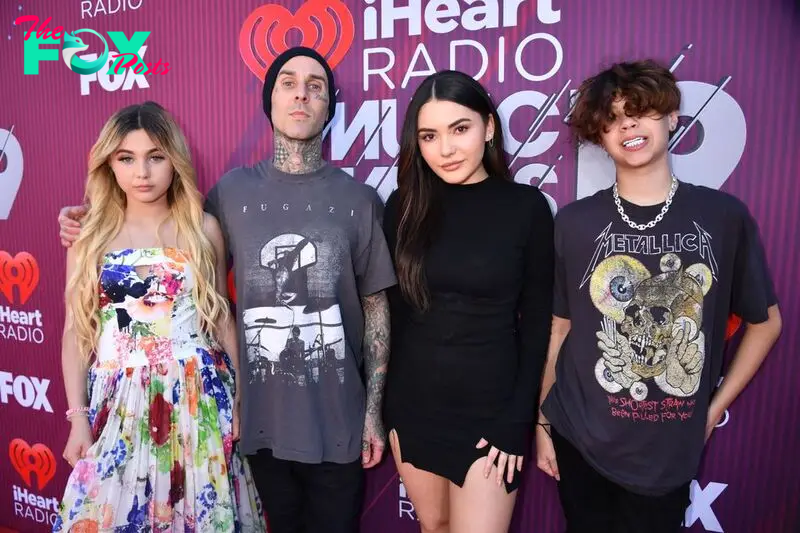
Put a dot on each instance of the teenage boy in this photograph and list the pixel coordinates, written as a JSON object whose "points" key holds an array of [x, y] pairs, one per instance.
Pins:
{"points": [[647, 273]]}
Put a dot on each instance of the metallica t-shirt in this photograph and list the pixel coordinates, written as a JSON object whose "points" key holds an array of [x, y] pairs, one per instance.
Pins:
{"points": [[305, 249], [648, 312]]}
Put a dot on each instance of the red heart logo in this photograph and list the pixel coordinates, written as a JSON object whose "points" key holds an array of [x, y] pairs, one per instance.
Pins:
{"points": [[263, 35], [21, 271], [36, 459]]}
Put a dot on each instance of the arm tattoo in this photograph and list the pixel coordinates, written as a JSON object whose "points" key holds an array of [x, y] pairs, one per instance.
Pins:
{"points": [[297, 156], [376, 348]]}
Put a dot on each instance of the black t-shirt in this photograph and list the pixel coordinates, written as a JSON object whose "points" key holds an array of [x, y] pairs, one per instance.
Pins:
{"points": [[648, 312], [470, 365]]}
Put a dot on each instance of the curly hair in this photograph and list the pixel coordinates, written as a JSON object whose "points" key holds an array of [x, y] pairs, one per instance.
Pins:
{"points": [[645, 86]]}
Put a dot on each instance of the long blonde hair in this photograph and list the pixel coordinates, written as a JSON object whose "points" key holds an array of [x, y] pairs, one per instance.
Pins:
{"points": [[106, 214]]}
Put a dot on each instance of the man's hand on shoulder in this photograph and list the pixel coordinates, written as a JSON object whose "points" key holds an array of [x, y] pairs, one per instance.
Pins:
{"points": [[69, 223]]}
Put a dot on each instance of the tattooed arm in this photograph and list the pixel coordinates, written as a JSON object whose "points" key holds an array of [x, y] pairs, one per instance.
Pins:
{"points": [[376, 362]]}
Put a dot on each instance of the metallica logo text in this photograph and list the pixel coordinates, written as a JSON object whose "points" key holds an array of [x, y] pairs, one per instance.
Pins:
{"points": [[624, 243]]}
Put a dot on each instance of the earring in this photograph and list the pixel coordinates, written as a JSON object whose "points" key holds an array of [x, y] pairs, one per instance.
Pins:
{"points": [[491, 142]]}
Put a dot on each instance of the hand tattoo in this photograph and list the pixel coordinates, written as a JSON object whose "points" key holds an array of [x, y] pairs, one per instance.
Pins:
{"points": [[376, 356], [297, 156]]}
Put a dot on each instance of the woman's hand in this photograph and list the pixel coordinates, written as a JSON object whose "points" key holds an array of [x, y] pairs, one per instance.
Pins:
{"points": [[79, 441], [545, 453], [504, 462]]}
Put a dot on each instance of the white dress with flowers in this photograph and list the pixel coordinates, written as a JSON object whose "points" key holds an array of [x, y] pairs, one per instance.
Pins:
{"points": [[163, 457]]}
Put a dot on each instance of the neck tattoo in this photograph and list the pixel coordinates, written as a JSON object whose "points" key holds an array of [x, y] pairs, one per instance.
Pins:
{"points": [[297, 157]]}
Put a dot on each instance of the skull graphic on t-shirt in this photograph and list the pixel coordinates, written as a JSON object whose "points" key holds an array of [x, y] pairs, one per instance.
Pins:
{"points": [[651, 325]]}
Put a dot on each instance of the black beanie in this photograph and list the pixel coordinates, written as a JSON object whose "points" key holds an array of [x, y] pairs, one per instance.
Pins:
{"points": [[275, 68]]}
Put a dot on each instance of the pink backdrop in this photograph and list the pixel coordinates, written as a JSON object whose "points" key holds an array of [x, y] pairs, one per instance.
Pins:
{"points": [[736, 60]]}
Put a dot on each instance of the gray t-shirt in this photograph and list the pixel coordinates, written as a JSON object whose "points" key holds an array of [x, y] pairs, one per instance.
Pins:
{"points": [[648, 312], [305, 249]]}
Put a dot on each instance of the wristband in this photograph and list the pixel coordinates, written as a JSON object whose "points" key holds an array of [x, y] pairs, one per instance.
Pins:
{"points": [[76, 410]]}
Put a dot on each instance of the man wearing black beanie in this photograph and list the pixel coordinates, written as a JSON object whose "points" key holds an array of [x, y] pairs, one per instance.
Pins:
{"points": [[275, 69], [311, 268]]}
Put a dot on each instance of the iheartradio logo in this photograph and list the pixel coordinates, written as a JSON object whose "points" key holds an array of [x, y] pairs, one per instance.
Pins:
{"points": [[21, 271], [325, 25], [28, 460]]}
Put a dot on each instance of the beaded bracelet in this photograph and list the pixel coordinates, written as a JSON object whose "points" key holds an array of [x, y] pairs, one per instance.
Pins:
{"points": [[77, 410]]}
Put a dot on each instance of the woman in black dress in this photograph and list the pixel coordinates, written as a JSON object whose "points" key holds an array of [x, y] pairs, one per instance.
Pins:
{"points": [[471, 313]]}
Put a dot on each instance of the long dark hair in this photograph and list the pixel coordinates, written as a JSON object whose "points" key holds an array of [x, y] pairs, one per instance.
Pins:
{"points": [[419, 186]]}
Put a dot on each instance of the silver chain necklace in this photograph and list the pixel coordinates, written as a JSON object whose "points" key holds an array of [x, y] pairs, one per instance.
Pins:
{"points": [[642, 227]]}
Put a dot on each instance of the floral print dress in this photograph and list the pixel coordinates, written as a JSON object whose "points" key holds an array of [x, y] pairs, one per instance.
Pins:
{"points": [[163, 457]]}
